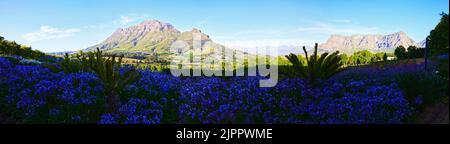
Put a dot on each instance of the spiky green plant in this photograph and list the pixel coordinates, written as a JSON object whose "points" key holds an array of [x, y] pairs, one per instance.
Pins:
{"points": [[69, 65], [316, 67], [106, 69]]}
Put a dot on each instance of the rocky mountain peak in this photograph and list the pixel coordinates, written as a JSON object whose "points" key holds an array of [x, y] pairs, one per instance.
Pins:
{"points": [[400, 35], [373, 42], [155, 25], [145, 27], [195, 30], [150, 36], [188, 35]]}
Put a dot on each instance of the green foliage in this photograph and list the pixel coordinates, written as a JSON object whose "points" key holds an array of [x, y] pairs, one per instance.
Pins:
{"points": [[13, 48], [106, 69], [70, 65], [442, 67], [400, 52], [361, 57], [430, 87], [415, 52], [411, 53], [438, 38], [316, 67], [385, 57], [282, 61], [344, 59], [377, 57], [157, 67]]}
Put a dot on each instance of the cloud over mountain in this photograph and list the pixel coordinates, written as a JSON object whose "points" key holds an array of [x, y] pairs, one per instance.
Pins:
{"points": [[48, 33]]}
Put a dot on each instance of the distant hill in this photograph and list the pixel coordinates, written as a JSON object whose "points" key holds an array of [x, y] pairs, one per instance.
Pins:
{"points": [[61, 53], [350, 44], [374, 43], [154, 38]]}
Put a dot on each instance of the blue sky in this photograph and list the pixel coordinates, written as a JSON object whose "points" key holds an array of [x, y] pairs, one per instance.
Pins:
{"points": [[67, 25]]}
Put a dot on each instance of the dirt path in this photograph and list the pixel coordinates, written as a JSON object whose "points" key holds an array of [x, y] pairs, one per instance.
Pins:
{"points": [[5, 120], [438, 114]]}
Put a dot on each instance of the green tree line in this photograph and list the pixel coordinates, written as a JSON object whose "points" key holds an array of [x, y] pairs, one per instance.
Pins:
{"points": [[438, 38], [13, 48], [410, 53]]}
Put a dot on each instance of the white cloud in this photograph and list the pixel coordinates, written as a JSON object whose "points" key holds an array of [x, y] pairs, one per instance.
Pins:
{"points": [[344, 21], [48, 32], [97, 26], [329, 29], [124, 20], [260, 32]]}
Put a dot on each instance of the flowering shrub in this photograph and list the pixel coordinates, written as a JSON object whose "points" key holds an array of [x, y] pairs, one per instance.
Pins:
{"points": [[242, 101], [34, 94], [381, 73], [135, 111], [421, 87], [38, 95], [154, 92]]}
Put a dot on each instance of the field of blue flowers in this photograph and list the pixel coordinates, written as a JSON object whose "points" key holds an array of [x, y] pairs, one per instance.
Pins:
{"points": [[31, 93]]}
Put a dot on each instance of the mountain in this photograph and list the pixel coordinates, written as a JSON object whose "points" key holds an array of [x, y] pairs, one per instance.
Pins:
{"points": [[154, 38], [144, 37], [422, 43], [374, 43]]}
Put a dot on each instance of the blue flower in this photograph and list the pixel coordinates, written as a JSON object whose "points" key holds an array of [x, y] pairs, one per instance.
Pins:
{"points": [[108, 119], [54, 112]]}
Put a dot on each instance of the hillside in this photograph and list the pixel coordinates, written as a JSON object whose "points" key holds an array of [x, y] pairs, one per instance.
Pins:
{"points": [[374, 43], [153, 39]]}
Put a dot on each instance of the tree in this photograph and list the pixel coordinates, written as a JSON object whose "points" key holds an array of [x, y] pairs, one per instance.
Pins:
{"points": [[13, 48], [439, 36], [377, 57], [385, 57], [400, 52], [412, 52], [361, 57], [344, 59]]}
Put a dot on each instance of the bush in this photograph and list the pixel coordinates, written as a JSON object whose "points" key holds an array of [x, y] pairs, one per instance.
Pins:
{"points": [[442, 65], [240, 100], [34, 94], [423, 88], [317, 67]]}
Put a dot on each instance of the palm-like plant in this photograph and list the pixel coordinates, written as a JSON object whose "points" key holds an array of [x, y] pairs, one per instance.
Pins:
{"points": [[322, 67], [107, 69]]}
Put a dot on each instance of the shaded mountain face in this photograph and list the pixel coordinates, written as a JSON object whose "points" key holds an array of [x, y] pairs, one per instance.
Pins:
{"points": [[422, 44], [144, 37], [374, 43], [154, 37]]}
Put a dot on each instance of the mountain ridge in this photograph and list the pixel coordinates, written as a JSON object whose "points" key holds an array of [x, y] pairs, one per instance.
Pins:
{"points": [[371, 42], [153, 39]]}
